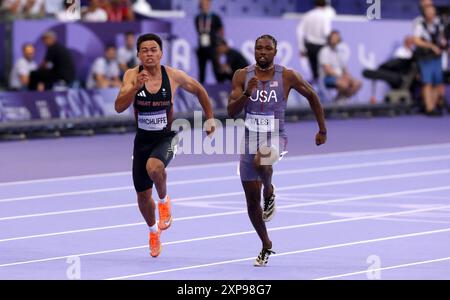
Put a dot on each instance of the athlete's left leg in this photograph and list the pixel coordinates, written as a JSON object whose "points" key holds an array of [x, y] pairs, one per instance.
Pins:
{"points": [[263, 164], [267, 155], [157, 172]]}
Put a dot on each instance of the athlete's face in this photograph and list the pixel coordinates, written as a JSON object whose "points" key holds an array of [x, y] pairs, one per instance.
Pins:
{"points": [[149, 53], [265, 52]]}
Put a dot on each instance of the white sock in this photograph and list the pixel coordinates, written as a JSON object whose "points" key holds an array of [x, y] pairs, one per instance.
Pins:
{"points": [[153, 228], [163, 200]]}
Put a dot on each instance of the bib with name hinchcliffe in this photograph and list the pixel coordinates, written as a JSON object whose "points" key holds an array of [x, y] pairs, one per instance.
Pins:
{"points": [[154, 112]]}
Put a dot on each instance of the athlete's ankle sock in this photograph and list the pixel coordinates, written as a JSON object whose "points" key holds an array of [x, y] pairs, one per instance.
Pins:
{"points": [[153, 228], [163, 200]]}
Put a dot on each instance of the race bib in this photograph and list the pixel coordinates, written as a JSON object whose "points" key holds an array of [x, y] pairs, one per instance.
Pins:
{"points": [[152, 121], [260, 123], [205, 40]]}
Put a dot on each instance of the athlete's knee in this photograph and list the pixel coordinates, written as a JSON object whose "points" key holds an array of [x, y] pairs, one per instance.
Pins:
{"points": [[155, 169], [266, 157]]}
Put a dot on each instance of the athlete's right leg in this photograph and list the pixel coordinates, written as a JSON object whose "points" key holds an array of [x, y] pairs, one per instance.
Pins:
{"points": [[147, 208], [143, 186], [252, 188], [253, 195], [252, 191]]}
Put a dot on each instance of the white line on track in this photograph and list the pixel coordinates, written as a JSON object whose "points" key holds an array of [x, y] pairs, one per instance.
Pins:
{"points": [[387, 268], [370, 217], [415, 234], [331, 201], [224, 164], [235, 177]]}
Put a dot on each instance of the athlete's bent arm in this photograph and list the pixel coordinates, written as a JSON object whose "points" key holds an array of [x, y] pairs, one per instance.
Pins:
{"points": [[127, 92], [194, 87], [305, 89], [237, 99]]}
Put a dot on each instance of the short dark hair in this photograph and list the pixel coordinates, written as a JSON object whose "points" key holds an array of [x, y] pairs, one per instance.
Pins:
{"points": [[149, 37], [109, 46], [129, 33], [331, 34], [221, 41], [267, 36], [27, 45], [321, 3]]}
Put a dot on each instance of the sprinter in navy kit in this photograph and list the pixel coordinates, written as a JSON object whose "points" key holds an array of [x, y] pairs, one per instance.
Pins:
{"points": [[150, 87]]}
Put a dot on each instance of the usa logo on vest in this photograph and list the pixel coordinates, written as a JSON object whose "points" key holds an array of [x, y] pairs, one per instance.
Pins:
{"points": [[264, 96]]}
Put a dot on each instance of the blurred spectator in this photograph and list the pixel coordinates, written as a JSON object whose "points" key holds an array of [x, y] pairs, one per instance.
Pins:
{"points": [[27, 9], [119, 11], [209, 28], [127, 55], [333, 70], [33, 9], [52, 7], [57, 67], [105, 71], [70, 11], [400, 72], [230, 60], [406, 51], [312, 33], [430, 41], [20, 73], [94, 12]]}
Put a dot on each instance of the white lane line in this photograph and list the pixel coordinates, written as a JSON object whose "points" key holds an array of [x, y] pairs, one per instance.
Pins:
{"points": [[235, 177], [394, 237], [287, 196], [65, 212], [332, 201], [411, 220], [329, 183], [224, 164], [370, 217], [387, 268], [339, 182]]}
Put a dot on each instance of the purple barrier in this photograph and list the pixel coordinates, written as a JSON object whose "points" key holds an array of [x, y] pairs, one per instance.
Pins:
{"points": [[65, 105], [81, 103]]}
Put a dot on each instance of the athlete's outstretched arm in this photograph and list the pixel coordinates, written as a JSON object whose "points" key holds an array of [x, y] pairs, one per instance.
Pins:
{"points": [[131, 84], [304, 88], [237, 99], [194, 87]]}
